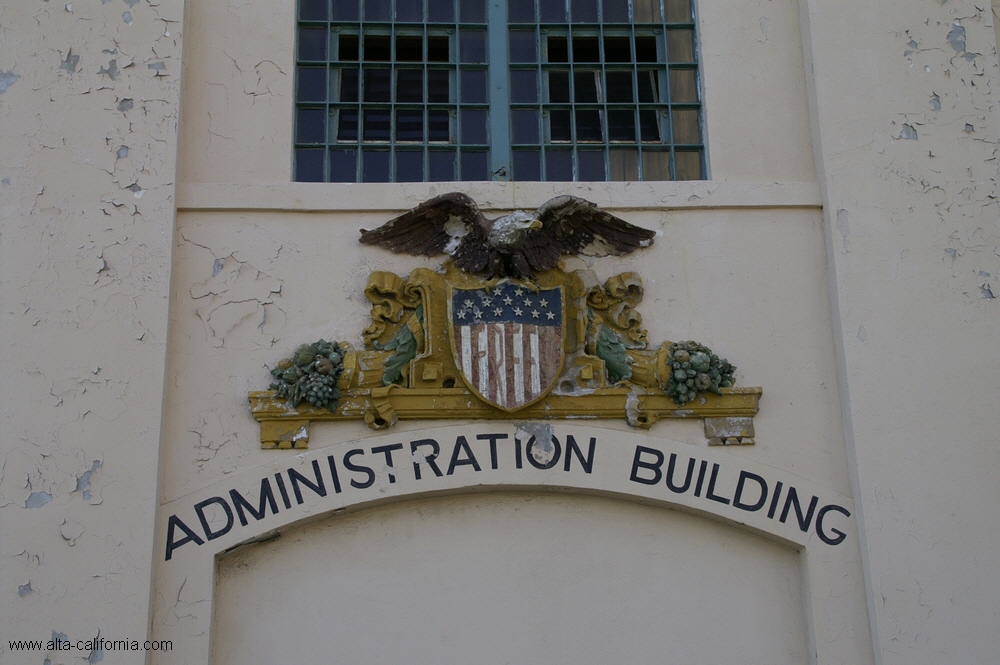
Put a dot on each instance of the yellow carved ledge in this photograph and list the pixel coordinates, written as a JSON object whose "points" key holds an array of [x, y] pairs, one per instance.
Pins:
{"points": [[408, 370], [728, 418]]}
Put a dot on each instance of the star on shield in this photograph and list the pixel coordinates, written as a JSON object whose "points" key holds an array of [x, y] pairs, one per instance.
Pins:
{"points": [[508, 355]]}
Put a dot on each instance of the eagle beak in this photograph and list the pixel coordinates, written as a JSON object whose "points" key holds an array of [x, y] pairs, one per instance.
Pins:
{"points": [[535, 225]]}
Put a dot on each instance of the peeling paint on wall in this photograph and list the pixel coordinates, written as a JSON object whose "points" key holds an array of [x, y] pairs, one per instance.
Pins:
{"points": [[70, 530], [85, 267], [37, 499], [70, 62], [83, 480], [7, 79], [111, 71]]}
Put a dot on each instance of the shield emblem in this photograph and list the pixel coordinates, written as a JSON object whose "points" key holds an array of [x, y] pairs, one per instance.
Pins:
{"points": [[507, 342]]}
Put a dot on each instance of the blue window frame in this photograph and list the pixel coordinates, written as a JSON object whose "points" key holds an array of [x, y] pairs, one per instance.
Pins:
{"points": [[528, 90]]}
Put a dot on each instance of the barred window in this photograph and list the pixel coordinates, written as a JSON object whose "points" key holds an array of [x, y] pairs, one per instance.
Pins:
{"points": [[528, 90]]}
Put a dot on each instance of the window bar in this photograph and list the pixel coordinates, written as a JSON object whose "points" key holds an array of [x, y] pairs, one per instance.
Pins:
{"points": [[678, 147], [499, 83]]}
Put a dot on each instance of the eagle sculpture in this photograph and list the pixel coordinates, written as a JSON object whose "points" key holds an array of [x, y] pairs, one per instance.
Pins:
{"points": [[516, 245]]}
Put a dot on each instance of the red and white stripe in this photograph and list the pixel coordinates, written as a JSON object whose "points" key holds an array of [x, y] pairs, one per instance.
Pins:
{"points": [[509, 364]]}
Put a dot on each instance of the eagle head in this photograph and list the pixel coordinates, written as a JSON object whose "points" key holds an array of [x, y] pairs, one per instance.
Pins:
{"points": [[508, 232]]}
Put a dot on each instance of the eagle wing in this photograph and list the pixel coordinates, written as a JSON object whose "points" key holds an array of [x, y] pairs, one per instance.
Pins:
{"points": [[443, 224], [571, 225]]}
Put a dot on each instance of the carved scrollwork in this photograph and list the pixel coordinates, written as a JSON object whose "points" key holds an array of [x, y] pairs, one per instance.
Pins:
{"points": [[397, 323], [391, 296], [614, 306]]}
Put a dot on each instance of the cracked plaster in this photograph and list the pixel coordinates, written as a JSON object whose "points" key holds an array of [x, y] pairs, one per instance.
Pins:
{"points": [[85, 269]]}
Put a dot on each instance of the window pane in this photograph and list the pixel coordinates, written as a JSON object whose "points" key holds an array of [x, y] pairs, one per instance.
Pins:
{"points": [[409, 85], [312, 84], [615, 11], [649, 125], [348, 48], [312, 10], [623, 165], [553, 11], [683, 86], [655, 165], [559, 87], [377, 125], [525, 126], [522, 46], [687, 165], [377, 48], [523, 87], [438, 126], [686, 126], [621, 125], [558, 50], [617, 49], [588, 126], [377, 85], [311, 127], [409, 48], [473, 46], [521, 11], [375, 166], [527, 165], [410, 11], [309, 165], [591, 165], [409, 125], [474, 126], [678, 11], [474, 166], [312, 43], [586, 49], [645, 49], [348, 85], [559, 127], [646, 11], [376, 10], [345, 10], [442, 166], [409, 166], [438, 88], [473, 86], [680, 45], [585, 87], [441, 11], [649, 87], [615, 113], [558, 166], [619, 87], [348, 128], [438, 49], [584, 11], [343, 165], [472, 11]]}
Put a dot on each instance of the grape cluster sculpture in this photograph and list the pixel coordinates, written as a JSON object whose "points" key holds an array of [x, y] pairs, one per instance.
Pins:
{"points": [[311, 374], [696, 370]]}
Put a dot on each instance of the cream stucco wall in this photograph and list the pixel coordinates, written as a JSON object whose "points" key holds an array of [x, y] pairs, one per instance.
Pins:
{"points": [[89, 95], [514, 578], [843, 255]]}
